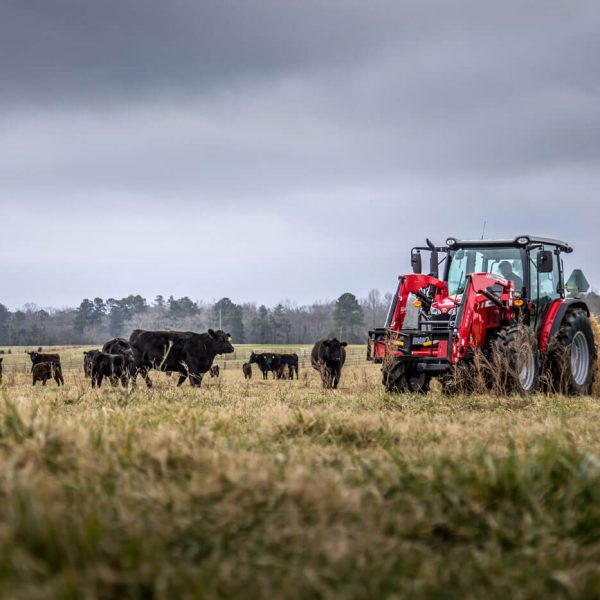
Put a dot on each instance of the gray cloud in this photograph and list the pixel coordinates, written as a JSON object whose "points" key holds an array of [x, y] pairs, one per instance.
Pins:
{"points": [[270, 150]]}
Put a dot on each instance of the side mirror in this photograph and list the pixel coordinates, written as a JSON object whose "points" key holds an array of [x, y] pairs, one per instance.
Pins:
{"points": [[416, 262], [434, 259], [545, 262]]}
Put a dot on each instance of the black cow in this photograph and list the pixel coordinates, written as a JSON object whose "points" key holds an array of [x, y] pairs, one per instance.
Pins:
{"points": [[116, 367], [328, 357], [214, 371], [88, 358], [247, 369], [184, 352], [291, 362], [275, 365], [267, 362], [116, 346], [39, 357], [43, 371]]}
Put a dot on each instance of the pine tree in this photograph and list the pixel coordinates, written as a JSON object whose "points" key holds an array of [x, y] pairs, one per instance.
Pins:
{"points": [[84, 316], [349, 318]]}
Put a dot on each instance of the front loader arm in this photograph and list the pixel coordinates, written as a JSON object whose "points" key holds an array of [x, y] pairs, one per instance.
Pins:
{"points": [[480, 307], [415, 284]]}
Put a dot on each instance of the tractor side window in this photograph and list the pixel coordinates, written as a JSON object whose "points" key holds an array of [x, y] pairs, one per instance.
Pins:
{"points": [[457, 273], [544, 284]]}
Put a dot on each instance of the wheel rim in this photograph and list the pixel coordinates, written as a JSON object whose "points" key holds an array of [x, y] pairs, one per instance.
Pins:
{"points": [[527, 368], [580, 358]]}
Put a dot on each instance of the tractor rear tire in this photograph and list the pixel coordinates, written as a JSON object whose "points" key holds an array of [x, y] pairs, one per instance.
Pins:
{"points": [[573, 355], [516, 350]]}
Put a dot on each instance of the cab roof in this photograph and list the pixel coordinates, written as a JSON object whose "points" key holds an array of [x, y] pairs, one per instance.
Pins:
{"points": [[520, 241]]}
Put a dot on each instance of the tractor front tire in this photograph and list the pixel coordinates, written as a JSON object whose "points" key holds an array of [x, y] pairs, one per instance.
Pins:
{"points": [[417, 383], [517, 360], [394, 377], [573, 355], [399, 377]]}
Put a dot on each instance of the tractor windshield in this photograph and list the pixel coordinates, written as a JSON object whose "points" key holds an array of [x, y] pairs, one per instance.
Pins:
{"points": [[507, 262]]}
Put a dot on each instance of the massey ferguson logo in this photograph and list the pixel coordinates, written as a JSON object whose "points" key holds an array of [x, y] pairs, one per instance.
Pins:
{"points": [[498, 278]]}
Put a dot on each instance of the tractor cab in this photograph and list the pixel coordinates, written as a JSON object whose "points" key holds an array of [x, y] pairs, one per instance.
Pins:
{"points": [[533, 265], [474, 294]]}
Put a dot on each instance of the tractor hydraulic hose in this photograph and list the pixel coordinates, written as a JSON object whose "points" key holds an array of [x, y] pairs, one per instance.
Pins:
{"points": [[424, 298], [492, 298]]}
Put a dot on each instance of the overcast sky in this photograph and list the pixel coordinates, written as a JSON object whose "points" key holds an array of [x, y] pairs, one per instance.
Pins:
{"points": [[269, 150]]}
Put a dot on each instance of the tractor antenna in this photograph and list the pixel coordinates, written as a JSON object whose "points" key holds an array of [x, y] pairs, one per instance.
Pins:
{"points": [[483, 232]]}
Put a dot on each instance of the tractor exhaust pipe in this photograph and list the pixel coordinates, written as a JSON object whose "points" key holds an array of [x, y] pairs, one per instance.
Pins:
{"points": [[434, 268]]}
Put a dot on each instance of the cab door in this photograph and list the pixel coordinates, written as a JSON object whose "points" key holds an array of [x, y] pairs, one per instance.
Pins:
{"points": [[545, 283]]}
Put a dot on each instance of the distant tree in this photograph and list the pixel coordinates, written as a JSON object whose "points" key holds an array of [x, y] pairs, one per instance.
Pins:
{"points": [[228, 316], [349, 318], [5, 318], [99, 311], [123, 310], [182, 308], [261, 331], [84, 316], [281, 325], [375, 308], [159, 301]]}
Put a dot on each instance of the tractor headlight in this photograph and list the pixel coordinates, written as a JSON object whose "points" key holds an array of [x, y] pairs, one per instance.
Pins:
{"points": [[517, 297], [451, 242], [523, 241]]}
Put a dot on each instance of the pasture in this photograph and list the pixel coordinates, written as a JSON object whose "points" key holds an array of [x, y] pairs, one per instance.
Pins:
{"points": [[279, 489]]}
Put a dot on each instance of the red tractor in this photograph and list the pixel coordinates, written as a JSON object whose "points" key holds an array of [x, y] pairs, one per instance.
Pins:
{"points": [[496, 298]]}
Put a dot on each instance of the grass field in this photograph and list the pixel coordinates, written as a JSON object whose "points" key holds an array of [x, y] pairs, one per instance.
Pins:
{"points": [[279, 489]]}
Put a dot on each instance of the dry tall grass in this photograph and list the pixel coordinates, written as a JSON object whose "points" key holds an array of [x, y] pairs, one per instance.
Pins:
{"points": [[281, 489]]}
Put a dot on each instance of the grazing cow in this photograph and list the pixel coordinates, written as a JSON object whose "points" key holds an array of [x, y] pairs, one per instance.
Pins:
{"points": [[328, 357], [247, 369], [1, 359], [38, 357], [116, 367], [187, 353], [291, 362], [214, 371], [116, 346], [267, 362], [43, 371], [88, 358]]}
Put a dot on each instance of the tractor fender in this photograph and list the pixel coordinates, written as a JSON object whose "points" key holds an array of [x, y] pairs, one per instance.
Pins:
{"points": [[554, 317]]}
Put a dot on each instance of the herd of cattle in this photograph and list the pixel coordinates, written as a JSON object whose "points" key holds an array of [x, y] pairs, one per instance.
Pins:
{"points": [[190, 355]]}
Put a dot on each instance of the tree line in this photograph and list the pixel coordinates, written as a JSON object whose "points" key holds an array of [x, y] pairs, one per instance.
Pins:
{"points": [[96, 320]]}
